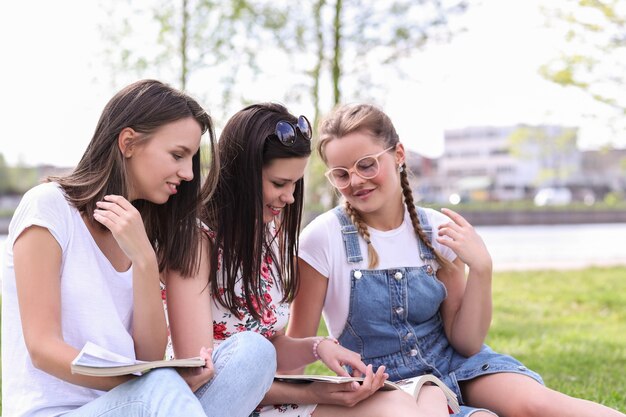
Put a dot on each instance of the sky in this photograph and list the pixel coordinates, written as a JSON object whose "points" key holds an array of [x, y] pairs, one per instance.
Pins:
{"points": [[55, 84]]}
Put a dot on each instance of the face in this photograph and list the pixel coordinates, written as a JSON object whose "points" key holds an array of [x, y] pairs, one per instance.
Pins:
{"points": [[367, 195], [279, 183], [157, 166]]}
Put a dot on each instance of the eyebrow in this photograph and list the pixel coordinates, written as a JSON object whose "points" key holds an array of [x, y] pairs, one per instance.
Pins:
{"points": [[287, 179], [184, 148]]}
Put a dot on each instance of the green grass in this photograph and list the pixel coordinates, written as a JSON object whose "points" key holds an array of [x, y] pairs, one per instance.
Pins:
{"points": [[569, 326]]}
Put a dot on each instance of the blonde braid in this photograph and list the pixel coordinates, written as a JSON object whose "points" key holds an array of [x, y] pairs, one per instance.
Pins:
{"points": [[364, 232], [410, 204]]}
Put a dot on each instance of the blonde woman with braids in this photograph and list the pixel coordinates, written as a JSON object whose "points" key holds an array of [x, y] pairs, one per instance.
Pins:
{"points": [[390, 279]]}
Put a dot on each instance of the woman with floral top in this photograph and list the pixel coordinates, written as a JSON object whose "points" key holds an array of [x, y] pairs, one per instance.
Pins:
{"points": [[248, 274]]}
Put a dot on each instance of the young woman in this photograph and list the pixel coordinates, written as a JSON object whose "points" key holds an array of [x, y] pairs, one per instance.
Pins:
{"points": [[249, 273], [84, 253], [390, 279]]}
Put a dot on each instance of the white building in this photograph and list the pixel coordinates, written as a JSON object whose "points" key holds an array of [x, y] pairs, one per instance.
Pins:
{"points": [[506, 163]]}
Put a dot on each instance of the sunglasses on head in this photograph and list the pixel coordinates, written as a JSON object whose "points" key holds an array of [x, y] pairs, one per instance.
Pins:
{"points": [[286, 131]]}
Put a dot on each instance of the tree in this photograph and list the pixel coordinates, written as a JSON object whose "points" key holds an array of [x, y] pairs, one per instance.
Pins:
{"points": [[354, 46], [595, 61], [332, 51], [554, 147], [202, 45]]}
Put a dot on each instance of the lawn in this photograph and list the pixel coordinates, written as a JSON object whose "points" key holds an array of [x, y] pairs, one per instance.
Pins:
{"points": [[569, 326]]}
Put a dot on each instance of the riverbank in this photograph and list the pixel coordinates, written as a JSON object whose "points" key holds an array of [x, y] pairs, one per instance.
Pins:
{"points": [[542, 217]]}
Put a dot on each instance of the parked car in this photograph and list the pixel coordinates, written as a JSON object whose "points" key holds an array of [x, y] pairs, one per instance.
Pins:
{"points": [[553, 196]]}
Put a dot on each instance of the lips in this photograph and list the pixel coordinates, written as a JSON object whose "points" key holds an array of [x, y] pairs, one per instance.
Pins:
{"points": [[274, 210], [362, 193], [173, 187]]}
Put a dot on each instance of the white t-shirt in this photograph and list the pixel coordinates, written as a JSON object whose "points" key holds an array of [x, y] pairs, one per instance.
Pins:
{"points": [[96, 306], [322, 247]]}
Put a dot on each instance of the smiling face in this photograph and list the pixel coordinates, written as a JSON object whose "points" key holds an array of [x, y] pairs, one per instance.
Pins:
{"points": [[279, 183], [374, 195], [157, 166]]}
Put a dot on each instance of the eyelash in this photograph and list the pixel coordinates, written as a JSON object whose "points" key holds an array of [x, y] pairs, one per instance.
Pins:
{"points": [[177, 157]]}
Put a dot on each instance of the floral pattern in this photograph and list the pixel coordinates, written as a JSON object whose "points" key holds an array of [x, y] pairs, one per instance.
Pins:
{"points": [[272, 319]]}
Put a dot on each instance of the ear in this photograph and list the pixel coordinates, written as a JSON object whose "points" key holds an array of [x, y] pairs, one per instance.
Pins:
{"points": [[126, 141], [400, 154]]}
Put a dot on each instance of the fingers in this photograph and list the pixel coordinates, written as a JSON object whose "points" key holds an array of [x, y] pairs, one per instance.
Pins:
{"points": [[456, 217], [115, 211]]}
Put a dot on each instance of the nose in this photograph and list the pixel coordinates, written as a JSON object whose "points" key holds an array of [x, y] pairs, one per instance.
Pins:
{"points": [[186, 171], [355, 178], [288, 197]]}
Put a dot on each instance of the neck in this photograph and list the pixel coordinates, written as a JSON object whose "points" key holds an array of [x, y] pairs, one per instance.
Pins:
{"points": [[388, 217]]}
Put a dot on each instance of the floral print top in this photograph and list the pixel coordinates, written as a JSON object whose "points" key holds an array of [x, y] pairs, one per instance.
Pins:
{"points": [[273, 319]]}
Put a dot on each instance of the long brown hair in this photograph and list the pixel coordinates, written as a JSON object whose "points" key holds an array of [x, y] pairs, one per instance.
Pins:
{"points": [[347, 119], [144, 106], [235, 212]]}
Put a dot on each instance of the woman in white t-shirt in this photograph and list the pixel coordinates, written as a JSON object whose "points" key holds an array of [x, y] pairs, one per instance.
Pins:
{"points": [[83, 262], [249, 272], [390, 279]]}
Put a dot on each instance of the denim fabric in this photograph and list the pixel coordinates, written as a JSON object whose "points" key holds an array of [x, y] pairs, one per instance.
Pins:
{"points": [[244, 370], [394, 320]]}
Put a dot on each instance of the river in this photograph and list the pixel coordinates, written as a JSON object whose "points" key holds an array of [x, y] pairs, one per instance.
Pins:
{"points": [[546, 246]]}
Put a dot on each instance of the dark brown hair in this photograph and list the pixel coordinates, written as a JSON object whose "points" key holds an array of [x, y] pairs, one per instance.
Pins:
{"points": [[144, 106], [235, 212]]}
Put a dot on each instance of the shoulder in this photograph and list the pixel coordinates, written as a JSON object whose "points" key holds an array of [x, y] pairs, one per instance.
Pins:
{"points": [[46, 199], [44, 205], [435, 217], [323, 224]]}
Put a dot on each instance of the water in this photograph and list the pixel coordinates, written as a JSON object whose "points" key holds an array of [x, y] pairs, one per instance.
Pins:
{"points": [[541, 247], [555, 246]]}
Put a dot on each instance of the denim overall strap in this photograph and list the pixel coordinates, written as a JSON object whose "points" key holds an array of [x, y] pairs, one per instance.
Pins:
{"points": [[350, 236], [425, 251]]}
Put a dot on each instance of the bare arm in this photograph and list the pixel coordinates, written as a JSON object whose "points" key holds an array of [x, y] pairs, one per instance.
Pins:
{"points": [[306, 309], [467, 310], [39, 296], [190, 318]]}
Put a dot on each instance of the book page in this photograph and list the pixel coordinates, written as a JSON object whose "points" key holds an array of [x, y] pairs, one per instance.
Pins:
{"points": [[97, 356]]}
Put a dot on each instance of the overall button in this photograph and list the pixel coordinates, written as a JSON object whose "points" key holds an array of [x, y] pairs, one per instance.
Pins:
{"points": [[399, 310], [358, 274], [398, 275], [407, 336], [429, 270], [485, 367], [413, 352]]}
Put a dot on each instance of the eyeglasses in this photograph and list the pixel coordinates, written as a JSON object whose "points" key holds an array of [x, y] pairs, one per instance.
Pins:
{"points": [[366, 168], [286, 132]]}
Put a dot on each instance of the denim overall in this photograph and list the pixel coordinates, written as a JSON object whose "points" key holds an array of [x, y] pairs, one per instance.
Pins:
{"points": [[394, 320]]}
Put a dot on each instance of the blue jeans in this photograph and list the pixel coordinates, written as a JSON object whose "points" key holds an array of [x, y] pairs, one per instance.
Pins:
{"points": [[245, 365]]}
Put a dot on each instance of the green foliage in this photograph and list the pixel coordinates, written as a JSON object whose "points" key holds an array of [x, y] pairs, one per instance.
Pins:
{"points": [[566, 325], [592, 60]]}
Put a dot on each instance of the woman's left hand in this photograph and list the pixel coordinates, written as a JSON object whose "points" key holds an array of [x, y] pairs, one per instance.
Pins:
{"points": [[197, 377], [460, 236]]}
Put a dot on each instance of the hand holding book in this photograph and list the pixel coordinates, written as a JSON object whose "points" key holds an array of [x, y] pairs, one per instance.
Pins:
{"points": [[411, 386]]}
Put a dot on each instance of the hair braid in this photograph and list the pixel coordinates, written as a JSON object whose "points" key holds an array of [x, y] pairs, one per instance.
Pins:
{"points": [[410, 204], [364, 232]]}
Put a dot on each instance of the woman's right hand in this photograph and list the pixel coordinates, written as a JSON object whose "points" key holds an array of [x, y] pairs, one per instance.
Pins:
{"points": [[125, 223], [350, 393], [197, 377], [335, 356]]}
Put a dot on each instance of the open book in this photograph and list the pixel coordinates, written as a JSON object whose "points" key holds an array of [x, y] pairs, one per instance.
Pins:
{"points": [[95, 360], [409, 385]]}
